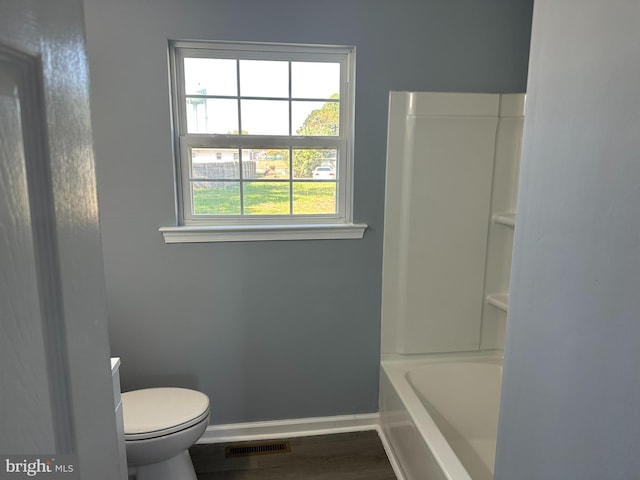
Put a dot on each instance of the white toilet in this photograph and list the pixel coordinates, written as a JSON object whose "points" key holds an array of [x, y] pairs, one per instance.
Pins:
{"points": [[160, 424]]}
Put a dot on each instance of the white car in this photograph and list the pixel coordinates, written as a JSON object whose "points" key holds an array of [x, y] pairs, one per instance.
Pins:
{"points": [[324, 172]]}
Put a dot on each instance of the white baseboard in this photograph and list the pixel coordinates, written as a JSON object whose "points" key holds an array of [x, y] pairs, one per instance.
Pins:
{"points": [[393, 460], [297, 427]]}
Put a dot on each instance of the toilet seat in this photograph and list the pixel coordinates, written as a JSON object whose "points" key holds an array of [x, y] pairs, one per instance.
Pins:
{"points": [[156, 412]]}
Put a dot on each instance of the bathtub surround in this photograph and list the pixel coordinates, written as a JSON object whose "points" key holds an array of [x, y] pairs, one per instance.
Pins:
{"points": [[452, 168], [571, 391], [269, 330]]}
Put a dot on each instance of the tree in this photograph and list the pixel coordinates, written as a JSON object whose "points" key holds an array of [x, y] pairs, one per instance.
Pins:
{"points": [[320, 122]]}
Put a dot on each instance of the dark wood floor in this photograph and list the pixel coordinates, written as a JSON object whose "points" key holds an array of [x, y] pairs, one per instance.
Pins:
{"points": [[343, 456]]}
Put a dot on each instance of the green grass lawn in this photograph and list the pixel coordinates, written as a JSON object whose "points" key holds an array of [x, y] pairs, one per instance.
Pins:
{"points": [[266, 198]]}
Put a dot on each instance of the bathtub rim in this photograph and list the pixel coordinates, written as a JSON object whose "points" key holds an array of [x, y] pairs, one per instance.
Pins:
{"points": [[396, 367]]}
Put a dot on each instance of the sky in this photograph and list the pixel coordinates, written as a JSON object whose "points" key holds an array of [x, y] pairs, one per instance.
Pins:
{"points": [[268, 80]]}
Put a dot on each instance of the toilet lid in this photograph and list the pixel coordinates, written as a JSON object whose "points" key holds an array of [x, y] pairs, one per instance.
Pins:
{"points": [[152, 412]]}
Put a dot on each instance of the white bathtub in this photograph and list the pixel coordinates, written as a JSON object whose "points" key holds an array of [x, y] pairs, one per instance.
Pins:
{"points": [[439, 414]]}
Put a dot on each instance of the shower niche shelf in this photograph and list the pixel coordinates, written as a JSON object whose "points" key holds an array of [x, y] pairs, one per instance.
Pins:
{"points": [[505, 218], [499, 300]]}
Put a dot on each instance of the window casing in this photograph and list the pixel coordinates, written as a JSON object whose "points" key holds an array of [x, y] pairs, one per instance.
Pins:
{"points": [[281, 134]]}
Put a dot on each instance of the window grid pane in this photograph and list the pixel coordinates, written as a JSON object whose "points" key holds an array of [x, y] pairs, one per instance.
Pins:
{"points": [[215, 198], [304, 75], [311, 198], [264, 79], [210, 76], [267, 198], [265, 117]]}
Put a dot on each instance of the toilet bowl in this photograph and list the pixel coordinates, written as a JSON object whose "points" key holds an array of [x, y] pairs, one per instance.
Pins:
{"points": [[160, 424]]}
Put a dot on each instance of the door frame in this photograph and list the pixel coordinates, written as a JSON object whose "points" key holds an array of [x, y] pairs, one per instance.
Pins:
{"points": [[45, 41]]}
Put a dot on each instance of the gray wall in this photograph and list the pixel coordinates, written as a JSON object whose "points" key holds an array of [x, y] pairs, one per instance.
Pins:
{"points": [[269, 330], [571, 389]]}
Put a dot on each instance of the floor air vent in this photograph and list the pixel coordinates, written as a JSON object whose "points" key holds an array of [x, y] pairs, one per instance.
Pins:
{"points": [[257, 448]]}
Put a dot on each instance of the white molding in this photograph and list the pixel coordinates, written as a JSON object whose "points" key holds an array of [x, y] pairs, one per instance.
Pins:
{"points": [[393, 460], [244, 233], [297, 427], [184, 140]]}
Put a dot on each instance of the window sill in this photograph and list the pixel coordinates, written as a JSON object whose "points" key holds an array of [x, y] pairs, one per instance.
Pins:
{"points": [[251, 233]]}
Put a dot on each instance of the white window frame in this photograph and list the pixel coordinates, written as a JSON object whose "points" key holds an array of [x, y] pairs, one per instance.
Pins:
{"points": [[207, 228]]}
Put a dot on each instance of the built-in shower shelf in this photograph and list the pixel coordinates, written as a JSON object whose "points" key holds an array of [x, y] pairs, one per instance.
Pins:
{"points": [[500, 301], [506, 218]]}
